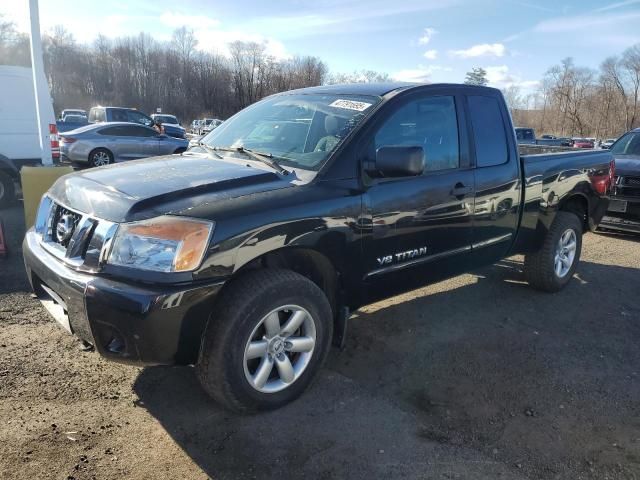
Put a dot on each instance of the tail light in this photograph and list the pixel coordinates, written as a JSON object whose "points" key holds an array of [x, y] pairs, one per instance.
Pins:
{"points": [[603, 182], [64, 139], [55, 143]]}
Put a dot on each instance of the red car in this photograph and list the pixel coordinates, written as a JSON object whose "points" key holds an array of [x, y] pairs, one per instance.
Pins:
{"points": [[582, 143]]}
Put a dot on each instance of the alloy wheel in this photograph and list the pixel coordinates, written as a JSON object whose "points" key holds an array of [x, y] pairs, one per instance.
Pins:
{"points": [[279, 349], [565, 253], [100, 159]]}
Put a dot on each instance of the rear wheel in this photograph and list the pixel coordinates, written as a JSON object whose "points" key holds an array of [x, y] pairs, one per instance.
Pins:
{"points": [[179, 151], [269, 337], [100, 157], [551, 268], [7, 190]]}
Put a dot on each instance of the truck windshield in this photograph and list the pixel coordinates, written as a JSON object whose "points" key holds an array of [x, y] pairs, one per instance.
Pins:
{"points": [[629, 144], [300, 130]]}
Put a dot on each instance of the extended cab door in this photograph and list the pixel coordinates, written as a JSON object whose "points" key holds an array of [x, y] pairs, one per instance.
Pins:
{"points": [[420, 223], [497, 177]]}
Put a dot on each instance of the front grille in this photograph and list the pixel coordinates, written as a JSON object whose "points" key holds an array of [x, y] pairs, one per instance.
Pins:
{"points": [[77, 239], [64, 223], [627, 186], [632, 181]]}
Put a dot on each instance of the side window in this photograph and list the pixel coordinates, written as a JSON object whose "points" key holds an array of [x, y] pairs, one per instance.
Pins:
{"points": [[111, 131], [488, 131], [118, 115], [430, 123], [141, 131]]}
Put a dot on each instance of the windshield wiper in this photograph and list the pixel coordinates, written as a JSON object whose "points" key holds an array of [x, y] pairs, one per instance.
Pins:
{"points": [[263, 157], [209, 149]]}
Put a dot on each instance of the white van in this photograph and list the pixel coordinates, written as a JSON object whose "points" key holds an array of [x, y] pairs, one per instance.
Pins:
{"points": [[19, 143]]}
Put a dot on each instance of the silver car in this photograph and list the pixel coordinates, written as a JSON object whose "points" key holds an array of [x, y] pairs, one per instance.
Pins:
{"points": [[105, 143]]}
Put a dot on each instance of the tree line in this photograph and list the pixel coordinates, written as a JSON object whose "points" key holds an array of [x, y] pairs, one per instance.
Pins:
{"points": [[138, 71], [579, 101], [177, 76]]}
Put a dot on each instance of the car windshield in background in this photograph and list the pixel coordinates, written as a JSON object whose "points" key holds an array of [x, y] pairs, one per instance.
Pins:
{"points": [[167, 119], [75, 118], [298, 130], [629, 144]]}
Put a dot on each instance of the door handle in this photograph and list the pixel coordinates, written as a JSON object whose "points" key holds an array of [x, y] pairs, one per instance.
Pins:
{"points": [[460, 190]]}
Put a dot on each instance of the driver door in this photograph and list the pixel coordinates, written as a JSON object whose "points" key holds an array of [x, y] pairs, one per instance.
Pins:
{"points": [[421, 225]]}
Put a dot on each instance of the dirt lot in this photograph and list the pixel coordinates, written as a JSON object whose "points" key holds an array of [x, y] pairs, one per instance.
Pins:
{"points": [[478, 377]]}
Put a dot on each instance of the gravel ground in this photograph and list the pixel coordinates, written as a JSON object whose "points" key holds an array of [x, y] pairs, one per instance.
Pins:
{"points": [[477, 377]]}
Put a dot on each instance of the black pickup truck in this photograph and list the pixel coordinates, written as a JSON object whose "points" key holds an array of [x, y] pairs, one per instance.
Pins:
{"points": [[245, 255]]}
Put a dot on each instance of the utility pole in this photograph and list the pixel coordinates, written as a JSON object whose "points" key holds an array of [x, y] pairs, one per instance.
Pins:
{"points": [[41, 89]]}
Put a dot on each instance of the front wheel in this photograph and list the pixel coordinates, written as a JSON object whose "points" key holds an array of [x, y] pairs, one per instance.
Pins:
{"points": [[551, 268], [100, 157], [266, 341]]}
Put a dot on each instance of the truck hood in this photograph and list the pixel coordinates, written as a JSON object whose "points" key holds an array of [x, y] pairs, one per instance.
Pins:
{"points": [[162, 185], [627, 165]]}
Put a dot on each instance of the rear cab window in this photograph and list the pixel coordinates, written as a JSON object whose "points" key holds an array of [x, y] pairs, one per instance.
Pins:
{"points": [[488, 132]]}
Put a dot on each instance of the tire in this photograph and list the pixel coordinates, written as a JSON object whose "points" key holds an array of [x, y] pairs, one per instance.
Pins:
{"points": [[223, 368], [541, 267], [179, 151], [7, 190], [100, 157]]}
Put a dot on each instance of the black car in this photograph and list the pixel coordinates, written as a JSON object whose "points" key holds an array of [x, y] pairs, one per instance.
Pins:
{"points": [[624, 208], [245, 255]]}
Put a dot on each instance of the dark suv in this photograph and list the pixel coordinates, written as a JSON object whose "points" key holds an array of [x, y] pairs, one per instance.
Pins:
{"points": [[122, 114]]}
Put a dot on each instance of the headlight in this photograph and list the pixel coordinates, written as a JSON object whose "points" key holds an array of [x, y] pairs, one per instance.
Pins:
{"points": [[163, 244]]}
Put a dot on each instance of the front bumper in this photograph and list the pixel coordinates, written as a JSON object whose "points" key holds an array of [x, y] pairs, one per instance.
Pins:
{"points": [[130, 323], [628, 221]]}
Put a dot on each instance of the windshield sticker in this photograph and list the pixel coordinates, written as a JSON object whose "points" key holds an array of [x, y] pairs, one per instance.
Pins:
{"points": [[351, 105]]}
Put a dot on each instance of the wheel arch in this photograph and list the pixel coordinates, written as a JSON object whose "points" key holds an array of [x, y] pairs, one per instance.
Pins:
{"points": [[578, 204], [100, 148]]}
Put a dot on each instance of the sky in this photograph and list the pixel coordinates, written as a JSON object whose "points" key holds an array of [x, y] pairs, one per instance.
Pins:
{"points": [[516, 41]]}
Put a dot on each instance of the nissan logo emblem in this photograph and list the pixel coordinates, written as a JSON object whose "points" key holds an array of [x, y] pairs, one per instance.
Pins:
{"points": [[64, 228]]}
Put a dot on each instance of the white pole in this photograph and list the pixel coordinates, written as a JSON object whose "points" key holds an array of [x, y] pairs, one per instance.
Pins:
{"points": [[40, 84]]}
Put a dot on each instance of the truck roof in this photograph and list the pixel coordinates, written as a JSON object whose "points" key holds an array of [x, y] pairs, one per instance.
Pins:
{"points": [[378, 89]]}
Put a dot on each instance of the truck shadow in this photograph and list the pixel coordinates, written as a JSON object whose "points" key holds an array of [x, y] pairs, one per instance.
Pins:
{"points": [[480, 363]]}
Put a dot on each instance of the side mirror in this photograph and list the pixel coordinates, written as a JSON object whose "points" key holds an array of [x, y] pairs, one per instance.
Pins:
{"points": [[397, 161]]}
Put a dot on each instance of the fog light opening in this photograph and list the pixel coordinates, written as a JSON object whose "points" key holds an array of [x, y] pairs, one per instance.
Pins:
{"points": [[116, 344]]}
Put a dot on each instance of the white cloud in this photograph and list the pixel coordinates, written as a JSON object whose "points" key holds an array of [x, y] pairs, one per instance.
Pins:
{"points": [[481, 50], [176, 20], [427, 35], [500, 77], [431, 54], [421, 74]]}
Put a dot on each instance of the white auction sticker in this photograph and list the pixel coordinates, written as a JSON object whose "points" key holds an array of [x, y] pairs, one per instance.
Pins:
{"points": [[351, 105]]}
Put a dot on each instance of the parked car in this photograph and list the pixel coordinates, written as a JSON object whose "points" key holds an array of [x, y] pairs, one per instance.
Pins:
{"points": [[245, 255], [72, 111], [607, 143], [582, 143], [19, 135], [111, 142], [122, 114], [71, 122], [195, 127], [525, 136], [624, 208], [209, 124], [171, 125]]}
